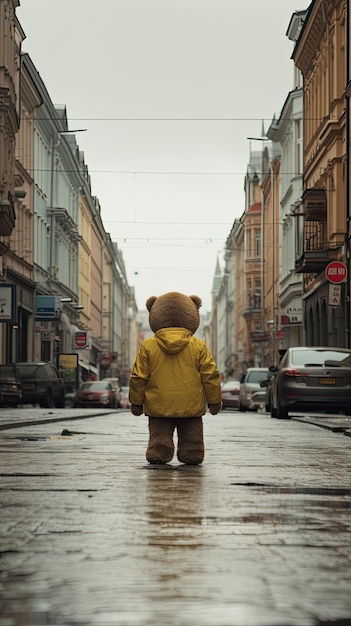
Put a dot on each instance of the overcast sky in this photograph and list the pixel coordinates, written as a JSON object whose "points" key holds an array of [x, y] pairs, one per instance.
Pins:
{"points": [[169, 91]]}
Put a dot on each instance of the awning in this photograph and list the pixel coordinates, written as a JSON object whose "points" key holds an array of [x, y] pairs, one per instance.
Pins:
{"points": [[87, 366], [83, 364]]}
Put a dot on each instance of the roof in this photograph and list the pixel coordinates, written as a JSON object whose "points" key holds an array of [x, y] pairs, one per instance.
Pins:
{"points": [[254, 208]]}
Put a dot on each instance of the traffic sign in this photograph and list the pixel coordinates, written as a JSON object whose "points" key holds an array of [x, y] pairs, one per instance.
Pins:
{"points": [[105, 362], [336, 272]]}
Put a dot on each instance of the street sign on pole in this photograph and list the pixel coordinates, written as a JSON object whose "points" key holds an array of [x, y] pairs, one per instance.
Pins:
{"points": [[334, 295], [336, 272]]}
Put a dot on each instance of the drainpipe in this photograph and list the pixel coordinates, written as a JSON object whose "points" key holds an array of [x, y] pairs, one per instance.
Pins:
{"points": [[262, 273]]}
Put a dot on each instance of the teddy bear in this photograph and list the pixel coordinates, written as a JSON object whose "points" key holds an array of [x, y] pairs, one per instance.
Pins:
{"points": [[173, 378]]}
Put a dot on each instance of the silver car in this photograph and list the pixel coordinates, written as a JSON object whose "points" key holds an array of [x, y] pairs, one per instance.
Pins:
{"points": [[313, 378], [249, 386]]}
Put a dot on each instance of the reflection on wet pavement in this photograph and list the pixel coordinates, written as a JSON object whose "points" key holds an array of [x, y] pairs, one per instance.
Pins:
{"points": [[257, 536]]}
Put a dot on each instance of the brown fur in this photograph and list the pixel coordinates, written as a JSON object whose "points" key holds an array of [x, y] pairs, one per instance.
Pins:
{"points": [[174, 310]]}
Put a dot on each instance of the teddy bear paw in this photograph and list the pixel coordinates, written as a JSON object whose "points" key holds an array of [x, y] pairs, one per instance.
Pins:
{"points": [[215, 408], [137, 409]]}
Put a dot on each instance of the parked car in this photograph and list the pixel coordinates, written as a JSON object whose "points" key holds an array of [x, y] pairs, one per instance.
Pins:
{"points": [[96, 393], [115, 383], [10, 387], [258, 400], [250, 384], [312, 379], [267, 386], [125, 397], [38, 383], [230, 394]]}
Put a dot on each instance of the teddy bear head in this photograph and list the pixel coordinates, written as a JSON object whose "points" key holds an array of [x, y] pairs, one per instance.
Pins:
{"points": [[174, 310]]}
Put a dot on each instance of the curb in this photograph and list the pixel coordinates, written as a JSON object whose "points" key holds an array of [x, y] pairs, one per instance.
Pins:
{"points": [[51, 419]]}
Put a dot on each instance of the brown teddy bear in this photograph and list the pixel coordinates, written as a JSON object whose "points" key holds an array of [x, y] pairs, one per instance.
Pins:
{"points": [[173, 377]]}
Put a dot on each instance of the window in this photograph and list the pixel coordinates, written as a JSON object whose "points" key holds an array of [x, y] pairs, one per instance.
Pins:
{"points": [[257, 242], [299, 151], [248, 243]]}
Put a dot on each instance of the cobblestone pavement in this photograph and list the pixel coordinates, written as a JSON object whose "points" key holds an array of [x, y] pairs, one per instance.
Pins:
{"points": [[93, 536]]}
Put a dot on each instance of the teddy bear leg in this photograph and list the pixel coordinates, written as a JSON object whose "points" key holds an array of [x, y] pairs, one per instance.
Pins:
{"points": [[161, 445], [191, 447]]}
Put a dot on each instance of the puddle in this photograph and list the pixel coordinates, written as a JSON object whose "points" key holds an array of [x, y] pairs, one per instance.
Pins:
{"points": [[307, 491]]}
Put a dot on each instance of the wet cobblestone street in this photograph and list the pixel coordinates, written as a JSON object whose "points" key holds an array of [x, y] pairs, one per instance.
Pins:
{"points": [[91, 535]]}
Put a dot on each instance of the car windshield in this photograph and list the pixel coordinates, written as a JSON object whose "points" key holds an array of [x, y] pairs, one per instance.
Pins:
{"points": [[321, 357], [27, 372], [256, 377], [7, 372]]}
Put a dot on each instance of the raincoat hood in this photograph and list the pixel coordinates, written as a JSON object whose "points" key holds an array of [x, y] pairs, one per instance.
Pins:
{"points": [[172, 340]]}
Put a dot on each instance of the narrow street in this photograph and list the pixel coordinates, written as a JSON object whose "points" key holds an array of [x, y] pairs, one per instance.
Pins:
{"points": [[91, 535]]}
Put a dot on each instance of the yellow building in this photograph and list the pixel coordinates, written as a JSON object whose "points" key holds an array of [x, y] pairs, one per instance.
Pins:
{"points": [[320, 54]]}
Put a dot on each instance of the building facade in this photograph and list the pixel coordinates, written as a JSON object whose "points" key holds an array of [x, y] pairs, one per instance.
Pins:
{"points": [[320, 55], [63, 284]]}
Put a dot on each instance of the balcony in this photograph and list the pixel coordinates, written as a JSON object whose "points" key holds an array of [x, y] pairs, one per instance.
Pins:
{"points": [[66, 222], [315, 249], [7, 218], [253, 308]]}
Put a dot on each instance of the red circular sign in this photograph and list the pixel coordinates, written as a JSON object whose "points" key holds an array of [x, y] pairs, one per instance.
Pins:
{"points": [[105, 362], [81, 339], [336, 272]]}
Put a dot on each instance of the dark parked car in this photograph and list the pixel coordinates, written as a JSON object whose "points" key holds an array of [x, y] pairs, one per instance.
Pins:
{"points": [[38, 383], [312, 379], [230, 394], [97, 393], [10, 387]]}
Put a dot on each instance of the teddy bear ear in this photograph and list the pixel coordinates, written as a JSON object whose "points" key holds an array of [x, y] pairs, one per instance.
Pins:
{"points": [[196, 300], [150, 301]]}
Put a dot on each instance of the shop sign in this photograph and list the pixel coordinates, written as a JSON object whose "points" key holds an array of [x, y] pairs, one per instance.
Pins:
{"points": [[292, 314], [47, 308], [69, 361], [81, 339], [8, 303]]}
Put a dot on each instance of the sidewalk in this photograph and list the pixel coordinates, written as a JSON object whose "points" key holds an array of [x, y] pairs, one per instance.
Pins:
{"points": [[29, 416], [91, 535], [16, 418]]}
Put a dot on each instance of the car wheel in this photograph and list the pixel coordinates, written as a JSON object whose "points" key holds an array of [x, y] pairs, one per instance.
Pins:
{"points": [[47, 402], [268, 403], [61, 403], [273, 411], [282, 411]]}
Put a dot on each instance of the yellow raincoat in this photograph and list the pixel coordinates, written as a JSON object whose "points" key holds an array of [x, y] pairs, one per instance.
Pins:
{"points": [[174, 375]]}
